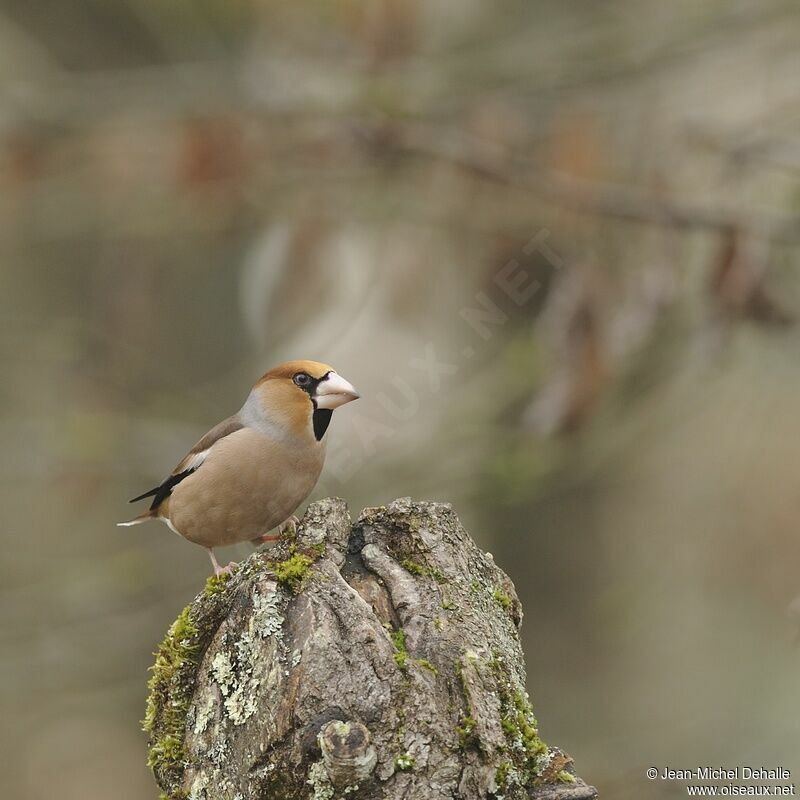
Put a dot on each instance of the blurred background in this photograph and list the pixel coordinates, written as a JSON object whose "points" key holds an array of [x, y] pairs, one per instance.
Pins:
{"points": [[553, 244]]}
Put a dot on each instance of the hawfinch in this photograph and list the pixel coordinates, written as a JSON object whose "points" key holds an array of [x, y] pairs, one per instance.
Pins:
{"points": [[250, 472]]}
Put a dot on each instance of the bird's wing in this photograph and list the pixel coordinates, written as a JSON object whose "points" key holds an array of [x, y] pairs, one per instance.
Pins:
{"points": [[191, 461]]}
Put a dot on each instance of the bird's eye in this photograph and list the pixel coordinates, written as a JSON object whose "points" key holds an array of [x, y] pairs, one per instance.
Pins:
{"points": [[302, 380]]}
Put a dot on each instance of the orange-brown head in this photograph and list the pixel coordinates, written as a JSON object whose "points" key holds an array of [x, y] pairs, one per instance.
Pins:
{"points": [[298, 397]]}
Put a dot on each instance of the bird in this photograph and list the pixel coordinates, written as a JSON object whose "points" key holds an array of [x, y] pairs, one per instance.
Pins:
{"points": [[250, 472]]}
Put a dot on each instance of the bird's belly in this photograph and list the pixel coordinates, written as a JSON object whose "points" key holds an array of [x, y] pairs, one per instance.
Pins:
{"points": [[232, 498]]}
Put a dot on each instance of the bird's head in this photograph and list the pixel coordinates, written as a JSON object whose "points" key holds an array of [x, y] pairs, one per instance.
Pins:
{"points": [[299, 394]]}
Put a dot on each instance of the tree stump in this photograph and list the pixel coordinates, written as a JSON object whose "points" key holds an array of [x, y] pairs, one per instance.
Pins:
{"points": [[374, 661]]}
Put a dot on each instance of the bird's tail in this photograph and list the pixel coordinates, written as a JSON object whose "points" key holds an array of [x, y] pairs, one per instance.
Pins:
{"points": [[138, 520]]}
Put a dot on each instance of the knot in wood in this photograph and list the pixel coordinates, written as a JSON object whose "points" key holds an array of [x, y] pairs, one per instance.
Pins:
{"points": [[347, 752]]}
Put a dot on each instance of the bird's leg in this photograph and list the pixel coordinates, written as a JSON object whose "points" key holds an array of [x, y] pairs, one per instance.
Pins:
{"points": [[291, 522], [217, 567], [266, 538], [218, 570]]}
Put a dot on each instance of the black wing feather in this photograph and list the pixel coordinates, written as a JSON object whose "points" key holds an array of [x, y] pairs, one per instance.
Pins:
{"points": [[146, 494], [161, 492]]}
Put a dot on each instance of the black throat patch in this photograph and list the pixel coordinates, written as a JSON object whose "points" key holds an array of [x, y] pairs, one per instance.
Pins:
{"points": [[321, 419]]}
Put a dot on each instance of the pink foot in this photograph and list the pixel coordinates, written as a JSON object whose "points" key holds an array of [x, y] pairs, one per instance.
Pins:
{"points": [[291, 522], [218, 570]]}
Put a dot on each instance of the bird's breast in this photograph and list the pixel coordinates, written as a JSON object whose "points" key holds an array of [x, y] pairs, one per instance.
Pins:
{"points": [[248, 484]]}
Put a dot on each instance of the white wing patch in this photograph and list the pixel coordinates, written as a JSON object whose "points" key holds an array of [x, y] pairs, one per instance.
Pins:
{"points": [[196, 460]]}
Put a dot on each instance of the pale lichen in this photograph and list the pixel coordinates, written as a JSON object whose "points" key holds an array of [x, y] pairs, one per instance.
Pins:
{"points": [[235, 673], [404, 761], [199, 784], [266, 619], [217, 752], [222, 670], [319, 781], [203, 714]]}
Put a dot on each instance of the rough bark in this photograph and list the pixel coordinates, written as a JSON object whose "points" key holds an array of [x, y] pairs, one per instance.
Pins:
{"points": [[378, 660]]}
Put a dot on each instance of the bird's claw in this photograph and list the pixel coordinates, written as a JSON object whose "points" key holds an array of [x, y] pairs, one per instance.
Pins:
{"points": [[291, 522], [218, 570]]}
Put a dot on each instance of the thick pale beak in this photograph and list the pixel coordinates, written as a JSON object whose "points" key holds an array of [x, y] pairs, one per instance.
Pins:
{"points": [[334, 391]]}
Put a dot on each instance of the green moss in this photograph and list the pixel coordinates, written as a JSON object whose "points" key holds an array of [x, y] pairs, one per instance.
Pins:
{"points": [[466, 732], [289, 533], [292, 572], [462, 680], [529, 754], [562, 776], [215, 584], [413, 521], [401, 656], [399, 642], [437, 575], [475, 586], [425, 664], [421, 570], [170, 695], [404, 761], [501, 775], [320, 549], [522, 731], [502, 599], [527, 725], [413, 567]]}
